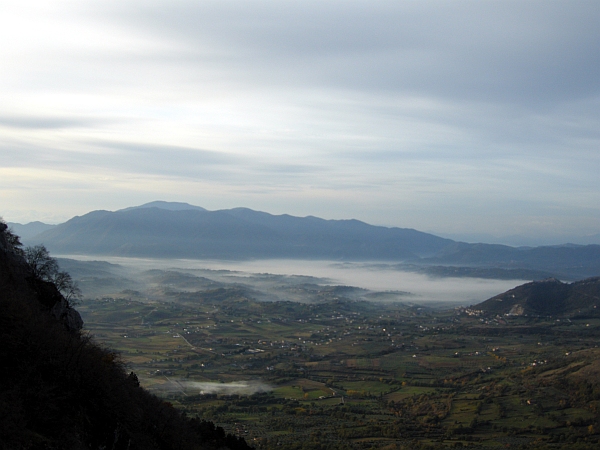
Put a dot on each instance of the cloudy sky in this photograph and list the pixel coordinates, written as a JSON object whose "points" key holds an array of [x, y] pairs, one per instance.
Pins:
{"points": [[455, 117]]}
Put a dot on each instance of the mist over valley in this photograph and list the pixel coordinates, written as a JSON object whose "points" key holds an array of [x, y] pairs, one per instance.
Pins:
{"points": [[405, 263], [267, 255], [274, 280]]}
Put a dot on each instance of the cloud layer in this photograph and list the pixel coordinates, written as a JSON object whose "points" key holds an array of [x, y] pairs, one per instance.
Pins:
{"points": [[454, 117]]}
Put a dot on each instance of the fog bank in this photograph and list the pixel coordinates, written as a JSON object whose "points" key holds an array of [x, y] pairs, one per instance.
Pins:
{"points": [[185, 387], [374, 276]]}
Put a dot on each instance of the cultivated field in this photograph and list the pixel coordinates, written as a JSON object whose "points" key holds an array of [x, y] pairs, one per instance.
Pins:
{"points": [[337, 372]]}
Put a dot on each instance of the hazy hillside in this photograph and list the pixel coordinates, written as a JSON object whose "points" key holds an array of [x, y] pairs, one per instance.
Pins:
{"points": [[170, 206], [29, 230], [179, 230], [547, 298], [564, 261], [236, 234]]}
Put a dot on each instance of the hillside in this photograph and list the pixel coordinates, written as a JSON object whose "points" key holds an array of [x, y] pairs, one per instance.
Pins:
{"points": [[233, 234], [563, 261], [547, 298], [60, 390], [29, 230]]}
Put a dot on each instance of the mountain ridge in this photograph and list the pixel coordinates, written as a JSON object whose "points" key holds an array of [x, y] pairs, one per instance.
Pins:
{"points": [[29, 230], [180, 230], [170, 206], [233, 234]]}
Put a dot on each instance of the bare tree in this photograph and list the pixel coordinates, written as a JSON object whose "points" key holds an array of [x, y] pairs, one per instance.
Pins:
{"points": [[41, 263], [45, 268], [68, 288]]}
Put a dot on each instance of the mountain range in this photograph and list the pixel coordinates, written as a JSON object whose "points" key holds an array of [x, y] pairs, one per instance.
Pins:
{"points": [[161, 229], [180, 230]]}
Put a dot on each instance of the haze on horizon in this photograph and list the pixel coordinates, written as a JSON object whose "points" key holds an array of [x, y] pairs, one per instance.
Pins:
{"points": [[463, 118]]}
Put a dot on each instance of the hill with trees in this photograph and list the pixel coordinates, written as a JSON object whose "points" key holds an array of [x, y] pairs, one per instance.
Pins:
{"points": [[61, 390], [547, 298]]}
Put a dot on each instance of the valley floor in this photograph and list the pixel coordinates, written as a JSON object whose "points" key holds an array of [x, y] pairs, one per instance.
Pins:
{"points": [[346, 374]]}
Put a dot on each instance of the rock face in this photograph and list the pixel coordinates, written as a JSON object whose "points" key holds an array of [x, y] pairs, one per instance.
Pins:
{"points": [[549, 297], [67, 315]]}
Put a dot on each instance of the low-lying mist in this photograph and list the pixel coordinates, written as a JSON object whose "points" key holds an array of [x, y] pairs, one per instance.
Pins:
{"points": [[275, 279], [185, 387]]}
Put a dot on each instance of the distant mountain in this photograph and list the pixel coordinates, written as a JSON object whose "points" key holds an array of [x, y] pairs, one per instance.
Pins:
{"points": [[29, 230], [169, 206], [517, 240], [240, 233], [180, 230], [567, 261], [547, 298]]}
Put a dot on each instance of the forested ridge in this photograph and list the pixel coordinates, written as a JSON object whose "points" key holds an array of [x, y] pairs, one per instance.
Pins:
{"points": [[61, 390]]}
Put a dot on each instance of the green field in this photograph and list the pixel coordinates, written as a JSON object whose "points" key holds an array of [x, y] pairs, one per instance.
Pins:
{"points": [[349, 374]]}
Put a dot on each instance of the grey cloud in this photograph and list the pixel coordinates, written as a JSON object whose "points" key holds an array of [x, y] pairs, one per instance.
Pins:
{"points": [[291, 170], [160, 152], [120, 157], [42, 122], [397, 112], [162, 160], [152, 159], [530, 53], [191, 162]]}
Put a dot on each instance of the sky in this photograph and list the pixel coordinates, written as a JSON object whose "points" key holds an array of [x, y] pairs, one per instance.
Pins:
{"points": [[475, 119]]}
